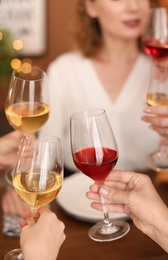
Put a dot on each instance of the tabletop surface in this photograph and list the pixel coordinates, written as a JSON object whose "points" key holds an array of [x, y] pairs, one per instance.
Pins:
{"points": [[135, 245]]}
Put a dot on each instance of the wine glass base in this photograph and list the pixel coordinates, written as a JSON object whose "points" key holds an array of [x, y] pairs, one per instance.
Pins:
{"points": [[118, 229], [15, 254], [158, 161]]}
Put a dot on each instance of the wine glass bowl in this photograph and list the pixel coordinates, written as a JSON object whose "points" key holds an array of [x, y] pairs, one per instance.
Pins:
{"points": [[27, 103], [95, 153], [95, 167], [155, 38], [38, 174]]}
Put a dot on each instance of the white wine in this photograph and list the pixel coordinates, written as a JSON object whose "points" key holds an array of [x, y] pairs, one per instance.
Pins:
{"points": [[156, 99], [37, 189], [27, 117]]}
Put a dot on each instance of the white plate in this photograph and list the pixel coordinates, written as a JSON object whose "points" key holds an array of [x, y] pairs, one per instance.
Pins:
{"points": [[72, 199]]}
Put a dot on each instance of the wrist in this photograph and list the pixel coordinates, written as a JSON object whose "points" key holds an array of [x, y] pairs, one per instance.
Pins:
{"points": [[35, 254], [159, 231]]}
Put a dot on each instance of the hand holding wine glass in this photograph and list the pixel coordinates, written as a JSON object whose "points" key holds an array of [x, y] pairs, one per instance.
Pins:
{"points": [[38, 173], [95, 153], [157, 95], [155, 41], [27, 104]]}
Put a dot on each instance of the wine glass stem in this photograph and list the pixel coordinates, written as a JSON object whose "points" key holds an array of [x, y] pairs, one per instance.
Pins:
{"points": [[107, 222], [20, 256], [33, 212], [26, 139]]}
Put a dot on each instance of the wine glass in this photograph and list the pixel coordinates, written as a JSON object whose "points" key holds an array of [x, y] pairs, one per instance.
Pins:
{"points": [[155, 38], [95, 153], [157, 94], [27, 103], [38, 174]]}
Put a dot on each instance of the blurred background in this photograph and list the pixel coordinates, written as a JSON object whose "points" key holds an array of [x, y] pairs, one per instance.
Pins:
{"points": [[52, 22]]}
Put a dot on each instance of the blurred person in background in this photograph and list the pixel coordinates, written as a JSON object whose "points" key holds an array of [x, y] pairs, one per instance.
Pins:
{"points": [[9, 148], [107, 69]]}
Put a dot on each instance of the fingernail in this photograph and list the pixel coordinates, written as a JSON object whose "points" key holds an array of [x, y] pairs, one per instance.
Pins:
{"points": [[104, 190]]}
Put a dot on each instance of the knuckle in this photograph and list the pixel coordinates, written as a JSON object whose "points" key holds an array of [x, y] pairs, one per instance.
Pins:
{"points": [[113, 194]]}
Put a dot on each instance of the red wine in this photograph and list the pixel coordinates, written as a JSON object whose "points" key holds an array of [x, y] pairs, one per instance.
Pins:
{"points": [[156, 48], [96, 162]]}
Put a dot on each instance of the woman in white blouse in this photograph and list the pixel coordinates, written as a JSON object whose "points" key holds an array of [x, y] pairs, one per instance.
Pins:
{"points": [[108, 69]]}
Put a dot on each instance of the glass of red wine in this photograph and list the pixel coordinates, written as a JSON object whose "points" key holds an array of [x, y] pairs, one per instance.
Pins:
{"points": [[95, 153], [155, 38]]}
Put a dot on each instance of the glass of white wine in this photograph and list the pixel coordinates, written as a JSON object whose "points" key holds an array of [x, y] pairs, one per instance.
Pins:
{"points": [[38, 174], [27, 103], [157, 95]]}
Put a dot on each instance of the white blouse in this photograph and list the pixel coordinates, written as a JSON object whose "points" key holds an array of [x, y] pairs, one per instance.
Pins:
{"points": [[74, 86]]}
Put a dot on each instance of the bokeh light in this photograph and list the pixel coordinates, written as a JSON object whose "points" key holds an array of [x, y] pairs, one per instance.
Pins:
{"points": [[26, 67], [18, 45], [16, 64], [1, 36], [27, 60]]}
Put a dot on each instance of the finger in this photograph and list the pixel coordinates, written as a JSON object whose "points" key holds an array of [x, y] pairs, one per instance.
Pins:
{"points": [[31, 221], [122, 176], [162, 110], [22, 223], [156, 121], [108, 182], [118, 208], [161, 131], [115, 184], [93, 196], [94, 188], [16, 134], [114, 195], [26, 213]]}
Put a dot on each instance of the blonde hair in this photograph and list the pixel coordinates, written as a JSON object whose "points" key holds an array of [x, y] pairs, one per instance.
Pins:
{"points": [[86, 32]]}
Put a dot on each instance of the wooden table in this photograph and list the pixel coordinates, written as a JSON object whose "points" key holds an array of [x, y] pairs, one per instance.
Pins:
{"points": [[135, 245]]}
